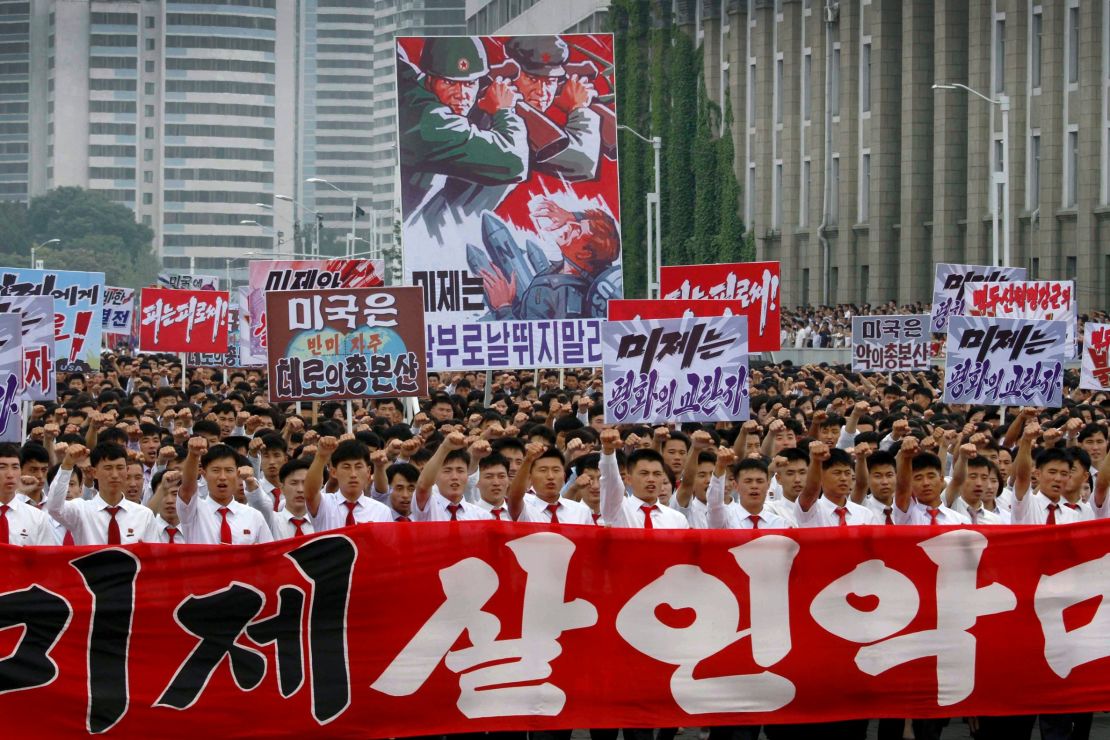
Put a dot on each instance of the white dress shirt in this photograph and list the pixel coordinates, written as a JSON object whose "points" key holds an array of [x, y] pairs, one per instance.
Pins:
{"points": [[979, 515], [697, 513], [568, 511], [268, 489], [1083, 509], [161, 525], [87, 519], [499, 512], [27, 526], [780, 507], [278, 522], [623, 511], [56, 527], [721, 516], [879, 509], [823, 514], [1033, 509], [436, 510], [332, 512], [918, 514], [201, 521]]}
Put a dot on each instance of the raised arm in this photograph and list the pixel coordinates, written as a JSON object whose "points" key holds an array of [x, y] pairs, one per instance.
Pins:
{"points": [[56, 497], [612, 487], [1102, 484], [1023, 463], [314, 478], [519, 484], [699, 441], [380, 460], [859, 490], [255, 498], [741, 441], [1013, 432], [454, 441], [659, 437], [819, 418], [818, 453], [154, 503], [768, 446], [715, 494], [904, 466], [959, 472], [191, 469]]}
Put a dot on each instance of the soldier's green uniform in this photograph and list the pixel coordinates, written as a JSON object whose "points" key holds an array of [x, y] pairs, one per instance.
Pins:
{"points": [[436, 143]]}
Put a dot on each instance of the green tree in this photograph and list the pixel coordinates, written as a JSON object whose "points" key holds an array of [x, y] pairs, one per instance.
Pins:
{"points": [[706, 181], [730, 242], [677, 146], [15, 234]]}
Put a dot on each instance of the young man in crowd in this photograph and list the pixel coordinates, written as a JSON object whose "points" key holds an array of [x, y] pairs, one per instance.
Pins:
{"points": [[690, 496], [1053, 464], [439, 495], [646, 478], [879, 479], [291, 520], [918, 495], [272, 458], [402, 479], [752, 479], [20, 522], [493, 485], [107, 518], [535, 494], [348, 462], [825, 499], [218, 518], [167, 486]]}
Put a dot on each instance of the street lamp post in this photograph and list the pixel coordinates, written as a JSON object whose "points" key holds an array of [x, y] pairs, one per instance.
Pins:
{"points": [[34, 247], [315, 217], [654, 221], [354, 210], [1000, 176], [278, 234], [283, 218]]}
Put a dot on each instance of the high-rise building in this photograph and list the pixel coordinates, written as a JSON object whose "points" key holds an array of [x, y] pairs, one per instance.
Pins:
{"points": [[858, 174], [15, 99]]}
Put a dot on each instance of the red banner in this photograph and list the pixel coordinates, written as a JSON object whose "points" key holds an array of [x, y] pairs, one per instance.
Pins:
{"points": [[399, 630], [754, 284], [183, 320], [631, 309]]}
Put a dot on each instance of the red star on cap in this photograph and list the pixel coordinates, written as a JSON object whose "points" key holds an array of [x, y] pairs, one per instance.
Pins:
{"points": [[464, 65], [545, 57]]}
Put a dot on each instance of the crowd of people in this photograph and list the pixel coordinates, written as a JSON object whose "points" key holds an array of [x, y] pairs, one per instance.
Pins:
{"points": [[125, 455]]}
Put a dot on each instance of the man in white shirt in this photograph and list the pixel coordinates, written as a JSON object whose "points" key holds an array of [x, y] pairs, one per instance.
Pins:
{"points": [[493, 486], [291, 520], [1080, 474], [587, 485], [167, 485], [439, 495], [646, 478], [825, 499], [349, 463], [402, 478], [1043, 506], [917, 498], [545, 471], [20, 522], [791, 467], [971, 479], [752, 481], [107, 518], [881, 478], [273, 457], [689, 498], [216, 519]]}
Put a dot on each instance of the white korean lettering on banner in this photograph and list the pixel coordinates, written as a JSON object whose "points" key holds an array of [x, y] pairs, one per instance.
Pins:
{"points": [[890, 343]]}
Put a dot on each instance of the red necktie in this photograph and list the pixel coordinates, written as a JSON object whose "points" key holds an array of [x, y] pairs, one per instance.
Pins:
{"points": [[647, 516], [974, 514], [225, 528], [4, 536], [497, 513], [67, 541], [402, 518], [596, 516], [842, 513], [933, 513], [1051, 514], [1073, 507], [350, 513], [277, 498], [755, 520], [113, 525], [454, 509], [553, 509], [886, 513], [172, 533], [298, 523]]}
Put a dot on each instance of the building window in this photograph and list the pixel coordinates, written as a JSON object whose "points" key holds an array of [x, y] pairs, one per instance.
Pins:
{"points": [[1071, 266], [834, 82], [776, 216], [148, 132], [865, 187], [1071, 162], [778, 91], [148, 88], [150, 21], [864, 281], [999, 56], [865, 79], [147, 220], [1073, 45], [148, 155], [148, 177], [749, 196], [148, 67], [807, 79], [148, 111], [1033, 180], [803, 194], [1035, 35], [150, 44], [834, 192], [148, 199]]}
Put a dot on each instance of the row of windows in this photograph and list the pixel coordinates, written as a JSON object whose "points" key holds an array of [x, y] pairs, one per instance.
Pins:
{"points": [[112, 62], [113, 19], [211, 219], [113, 39], [342, 125], [13, 107], [342, 80], [97, 83], [14, 68], [210, 174], [220, 86], [224, 21], [222, 109], [345, 33], [112, 173], [113, 129], [220, 65], [270, 4], [333, 140], [13, 168], [112, 106], [13, 128], [353, 171], [219, 152], [344, 94], [215, 196], [223, 132], [343, 110], [218, 42], [13, 147], [14, 88], [203, 240], [125, 196], [111, 150], [343, 18], [15, 47]]}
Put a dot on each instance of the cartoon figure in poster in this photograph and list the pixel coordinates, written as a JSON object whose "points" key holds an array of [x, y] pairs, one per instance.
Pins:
{"points": [[508, 175]]}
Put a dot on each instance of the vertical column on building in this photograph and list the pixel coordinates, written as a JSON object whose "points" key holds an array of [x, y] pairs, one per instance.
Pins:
{"points": [[1087, 103], [1053, 224], [70, 115], [847, 139], [791, 32], [885, 160], [762, 121], [1016, 84], [950, 135], [914, 265], [981, 115]]}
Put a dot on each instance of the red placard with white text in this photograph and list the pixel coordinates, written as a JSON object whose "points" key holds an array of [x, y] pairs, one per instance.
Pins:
{"points": [[631, 309], [754, 284], [183, 320]]}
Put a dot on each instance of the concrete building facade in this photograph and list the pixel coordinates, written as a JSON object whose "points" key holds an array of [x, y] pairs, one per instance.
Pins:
{"points": [[859, 175]]}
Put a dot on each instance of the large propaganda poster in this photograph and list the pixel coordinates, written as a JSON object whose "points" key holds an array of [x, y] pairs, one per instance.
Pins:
{"points": [[322, 274], [11, 377], [188, 281], [119, 309], [890, 343], [37, 315], [952, 282], [345, 343], [1028, 299], [754, 284], [183, 320], [509, 191], [78, 300], [1095, 366]]}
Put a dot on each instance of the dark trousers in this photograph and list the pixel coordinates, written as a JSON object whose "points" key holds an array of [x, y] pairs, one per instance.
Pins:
{"points": [[928, 729], [853, 729], [604, 734], [550, 735], [1006, 728], [734, 732], [1065, 726], [891, 729]]}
